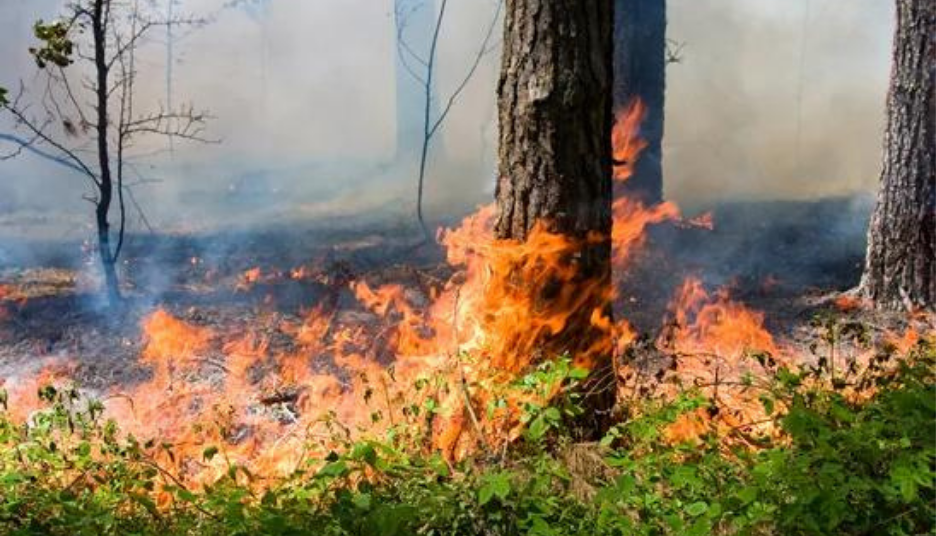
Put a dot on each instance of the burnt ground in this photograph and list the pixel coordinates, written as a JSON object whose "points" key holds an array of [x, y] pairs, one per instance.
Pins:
{"points": [[783, 258]]}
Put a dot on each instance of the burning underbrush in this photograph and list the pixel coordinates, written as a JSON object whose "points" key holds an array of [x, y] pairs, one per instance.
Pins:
{"points": [[436, 357]]}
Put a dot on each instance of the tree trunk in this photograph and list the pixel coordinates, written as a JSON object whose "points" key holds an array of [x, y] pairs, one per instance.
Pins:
{"points": [[554, 99], [99, 21], [640, 72], [900, 269]]}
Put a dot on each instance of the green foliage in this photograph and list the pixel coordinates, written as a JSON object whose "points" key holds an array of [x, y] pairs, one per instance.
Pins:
{"points": [[555, 384], [57, 46], [4, 100], [845, 467]]}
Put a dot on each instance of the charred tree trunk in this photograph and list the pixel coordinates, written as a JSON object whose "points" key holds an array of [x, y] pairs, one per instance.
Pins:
{"points": [[554, 98], [99, 20], [640, 73], [900, 269]]}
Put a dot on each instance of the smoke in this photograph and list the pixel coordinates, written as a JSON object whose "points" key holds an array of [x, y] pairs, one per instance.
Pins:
{"points": [[768, 102], [776, 99]]}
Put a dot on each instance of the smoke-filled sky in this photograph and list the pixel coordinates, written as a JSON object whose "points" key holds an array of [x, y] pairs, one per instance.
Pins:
{"points": [[772, 99]]}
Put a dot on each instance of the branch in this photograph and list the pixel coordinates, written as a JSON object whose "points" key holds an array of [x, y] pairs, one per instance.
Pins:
{"points": [[403, 47], [145, 26], [183, 124], [29, 145], [39, 133], [482, 51]]}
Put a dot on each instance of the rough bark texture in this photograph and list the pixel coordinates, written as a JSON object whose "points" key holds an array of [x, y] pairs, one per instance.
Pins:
{"points": [[900, 269], [555, 117], [640, 72], [554, 99]]}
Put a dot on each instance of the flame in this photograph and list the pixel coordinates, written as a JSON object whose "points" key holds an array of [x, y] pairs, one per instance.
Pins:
{"points": [[464, 339], [716, 324], [453, 346], [714, 341], [848, 303], [249, 278], [705, 221]]}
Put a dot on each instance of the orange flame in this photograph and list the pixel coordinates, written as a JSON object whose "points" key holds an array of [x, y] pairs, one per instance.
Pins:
{"points": [[460, 341]]}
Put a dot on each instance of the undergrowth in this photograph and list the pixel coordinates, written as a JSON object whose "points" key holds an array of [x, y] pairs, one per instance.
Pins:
{"points": [[839, 465]]}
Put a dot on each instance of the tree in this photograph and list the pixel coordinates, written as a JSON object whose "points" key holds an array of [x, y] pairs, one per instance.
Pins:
{"points": [[95, 139], [640, 59], [900, 267], [554, 102], [421, 65]]}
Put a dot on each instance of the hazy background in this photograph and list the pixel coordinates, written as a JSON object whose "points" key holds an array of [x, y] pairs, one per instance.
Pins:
{"points": [[773, 99]]}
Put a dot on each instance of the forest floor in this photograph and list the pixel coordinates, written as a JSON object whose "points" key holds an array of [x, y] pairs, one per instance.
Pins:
{"points": [[785, 259]]}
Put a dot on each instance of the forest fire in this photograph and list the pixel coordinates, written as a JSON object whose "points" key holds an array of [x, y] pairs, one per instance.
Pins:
{"points": [[682, 312], [446, 361]]}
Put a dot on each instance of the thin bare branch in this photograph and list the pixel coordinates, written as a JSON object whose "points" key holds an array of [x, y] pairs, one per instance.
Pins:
{"points": [[482, 52], [39, 132]]}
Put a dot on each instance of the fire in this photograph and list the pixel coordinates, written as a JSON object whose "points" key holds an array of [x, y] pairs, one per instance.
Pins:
{"points": [[454, 348], [4, 312], [23, 395], [705, 220], [847, 303], [626, 142], [249, 278], [716, 324]]}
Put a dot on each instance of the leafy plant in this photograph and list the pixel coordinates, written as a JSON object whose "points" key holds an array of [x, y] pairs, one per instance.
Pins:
{"points": [[844, 466]]}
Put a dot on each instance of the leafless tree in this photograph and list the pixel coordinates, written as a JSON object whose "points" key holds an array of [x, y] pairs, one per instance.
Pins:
{"points": [[422, 65], [84, 114]]}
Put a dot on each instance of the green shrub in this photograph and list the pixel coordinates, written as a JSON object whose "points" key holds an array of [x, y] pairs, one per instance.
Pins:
{"points": [[845, 467]]}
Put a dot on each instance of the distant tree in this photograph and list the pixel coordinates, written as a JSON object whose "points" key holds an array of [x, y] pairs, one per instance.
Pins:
{"points": [[640, 59], [900, 268], [422, 66], [94, 133], [554, 102]]}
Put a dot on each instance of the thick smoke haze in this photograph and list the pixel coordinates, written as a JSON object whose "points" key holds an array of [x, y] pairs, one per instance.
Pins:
{"points": [[772, 99], [776, 99]]}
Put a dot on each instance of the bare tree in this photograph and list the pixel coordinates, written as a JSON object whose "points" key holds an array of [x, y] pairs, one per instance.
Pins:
{"points": [[421, 66], [86, 115]]}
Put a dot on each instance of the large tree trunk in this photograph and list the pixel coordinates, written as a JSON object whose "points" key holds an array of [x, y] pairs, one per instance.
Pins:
{"points": [[640, 73], [554, 99], [900, 269]]}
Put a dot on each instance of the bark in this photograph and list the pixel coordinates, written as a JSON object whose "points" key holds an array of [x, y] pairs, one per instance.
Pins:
{"points": [[640, 72], [900, 268], [554, 99], [99, 19]]}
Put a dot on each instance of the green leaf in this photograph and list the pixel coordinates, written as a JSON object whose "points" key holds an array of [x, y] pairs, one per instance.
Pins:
{"points": [[334, 470], [578, 373], [538, 428], [362, 501], [747, 495], [697, 508], [209, 453], [364, 452], [497, 485], [768, 403]]}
